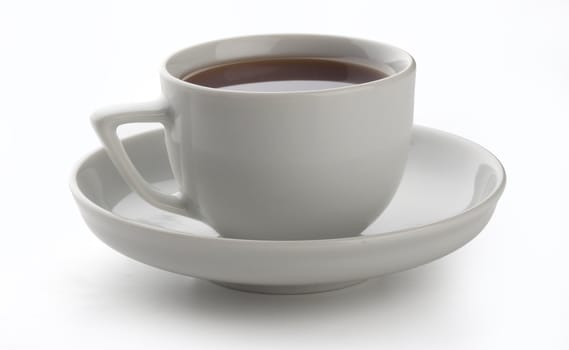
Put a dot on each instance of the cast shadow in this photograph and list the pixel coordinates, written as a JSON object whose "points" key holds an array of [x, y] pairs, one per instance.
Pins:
{"points": [[182, 297]]}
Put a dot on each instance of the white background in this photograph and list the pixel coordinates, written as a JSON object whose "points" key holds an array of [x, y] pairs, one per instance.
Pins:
{"points": [[496, 72]]}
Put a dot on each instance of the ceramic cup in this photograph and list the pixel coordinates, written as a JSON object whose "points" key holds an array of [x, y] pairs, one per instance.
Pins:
{"points": [[289, 165]]}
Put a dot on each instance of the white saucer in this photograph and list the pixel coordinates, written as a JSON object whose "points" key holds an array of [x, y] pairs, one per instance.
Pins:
{"points": [[447, 195]]}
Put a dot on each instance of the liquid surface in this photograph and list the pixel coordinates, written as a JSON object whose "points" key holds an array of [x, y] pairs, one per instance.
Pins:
{"points": [[284, 74]]}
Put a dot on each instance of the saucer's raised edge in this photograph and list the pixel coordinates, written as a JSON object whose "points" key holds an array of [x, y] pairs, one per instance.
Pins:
{"points": [[486, 204]]}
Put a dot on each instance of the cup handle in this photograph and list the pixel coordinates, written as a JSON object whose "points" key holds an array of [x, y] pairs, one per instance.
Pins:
{"points": [[106, 121]]}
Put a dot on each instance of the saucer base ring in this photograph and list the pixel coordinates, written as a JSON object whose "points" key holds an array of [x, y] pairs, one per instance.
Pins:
{"points": [[286, 289]]}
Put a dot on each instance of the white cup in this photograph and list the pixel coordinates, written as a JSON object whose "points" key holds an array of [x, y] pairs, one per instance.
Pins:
{"points": [[277, 165]]}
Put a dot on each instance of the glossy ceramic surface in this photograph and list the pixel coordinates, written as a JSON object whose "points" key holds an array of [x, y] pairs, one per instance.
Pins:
{"points": [[448, 193], [277, 165]]}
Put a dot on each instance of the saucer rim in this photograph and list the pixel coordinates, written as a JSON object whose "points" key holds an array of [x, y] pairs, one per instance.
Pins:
{"points": [[482, 206]]}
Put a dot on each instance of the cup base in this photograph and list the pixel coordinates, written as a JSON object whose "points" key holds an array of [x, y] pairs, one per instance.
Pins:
{"points": [[288, 289]]}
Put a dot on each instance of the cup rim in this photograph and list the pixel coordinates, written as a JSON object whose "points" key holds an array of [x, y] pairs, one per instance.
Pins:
{"points": [[408, 70]]}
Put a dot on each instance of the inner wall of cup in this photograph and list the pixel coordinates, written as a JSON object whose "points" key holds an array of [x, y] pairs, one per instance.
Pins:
{"points": [[386, 58]]}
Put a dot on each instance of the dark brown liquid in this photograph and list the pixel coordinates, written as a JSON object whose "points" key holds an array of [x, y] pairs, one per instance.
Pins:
{"points": [[284, 74]]}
